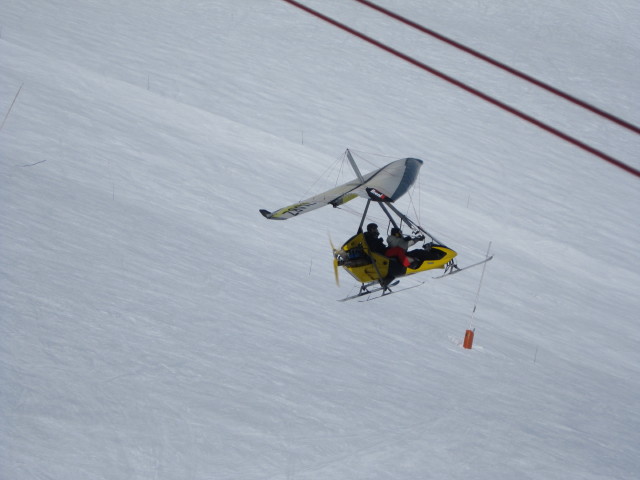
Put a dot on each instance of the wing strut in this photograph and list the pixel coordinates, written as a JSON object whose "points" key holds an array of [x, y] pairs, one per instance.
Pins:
{"points": [[354, 166], [412, 224], [382, 206], [386, 212], [364, 215]]}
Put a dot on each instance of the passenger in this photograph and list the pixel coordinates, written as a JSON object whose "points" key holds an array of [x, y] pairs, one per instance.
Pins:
{"points": [[398, 246]]}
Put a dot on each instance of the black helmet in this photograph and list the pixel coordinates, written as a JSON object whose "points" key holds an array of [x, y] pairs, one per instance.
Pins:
{"points": [[371, 227], [395, 230]]}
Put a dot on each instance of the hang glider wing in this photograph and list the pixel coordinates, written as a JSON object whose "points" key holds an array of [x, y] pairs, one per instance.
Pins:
{"points": [[386, 184]]}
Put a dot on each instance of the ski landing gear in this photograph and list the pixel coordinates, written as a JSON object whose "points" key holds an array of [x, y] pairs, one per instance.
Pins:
{"points": [[370, 288]]}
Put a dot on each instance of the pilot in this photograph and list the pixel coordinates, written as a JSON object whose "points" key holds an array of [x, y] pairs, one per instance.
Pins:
{"points": [[374, 242]]}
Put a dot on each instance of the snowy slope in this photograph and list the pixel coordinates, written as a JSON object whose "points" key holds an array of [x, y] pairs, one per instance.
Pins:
{"points": [[154, 325]]}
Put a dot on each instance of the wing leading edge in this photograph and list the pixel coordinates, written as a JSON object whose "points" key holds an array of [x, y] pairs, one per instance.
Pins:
{"points": [[386, 184]]}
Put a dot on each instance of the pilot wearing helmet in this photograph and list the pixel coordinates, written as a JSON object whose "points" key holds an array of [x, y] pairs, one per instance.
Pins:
{"points": [[374, 242]]}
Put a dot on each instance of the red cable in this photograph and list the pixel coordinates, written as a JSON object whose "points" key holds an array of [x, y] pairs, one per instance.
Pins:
{"points": [[507, 68], [469, 89]]}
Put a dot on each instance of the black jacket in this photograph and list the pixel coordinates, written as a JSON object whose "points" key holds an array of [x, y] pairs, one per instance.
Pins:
{"points": [[375, 243]]}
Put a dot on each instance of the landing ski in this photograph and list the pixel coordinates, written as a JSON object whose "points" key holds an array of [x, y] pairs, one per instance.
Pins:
{"points": [[366, 290], [389, 292], [458, 269]]}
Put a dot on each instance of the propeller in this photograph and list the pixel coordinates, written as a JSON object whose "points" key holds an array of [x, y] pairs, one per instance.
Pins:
{"points": [[336, 254]]}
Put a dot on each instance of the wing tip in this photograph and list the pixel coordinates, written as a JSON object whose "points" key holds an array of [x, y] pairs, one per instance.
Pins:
{"points": [[270, 215]]}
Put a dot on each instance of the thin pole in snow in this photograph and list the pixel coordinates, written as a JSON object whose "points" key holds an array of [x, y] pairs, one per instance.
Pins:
{"points": [[475, 303], [11, 106], [468, 335]]}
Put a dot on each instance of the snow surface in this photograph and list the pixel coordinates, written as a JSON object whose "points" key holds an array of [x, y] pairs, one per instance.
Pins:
{"points": [[155, 326]]}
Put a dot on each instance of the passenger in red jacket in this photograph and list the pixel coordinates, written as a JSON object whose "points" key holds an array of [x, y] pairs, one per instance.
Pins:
{"points": [[398, 246]]}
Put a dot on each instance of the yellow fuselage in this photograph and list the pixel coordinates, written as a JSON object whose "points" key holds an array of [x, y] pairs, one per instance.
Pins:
{"points": [[366, 266]]}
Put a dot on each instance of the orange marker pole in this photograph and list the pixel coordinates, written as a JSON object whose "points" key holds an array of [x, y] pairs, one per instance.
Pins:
{"points": [[468, 339], [468, 335]]}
